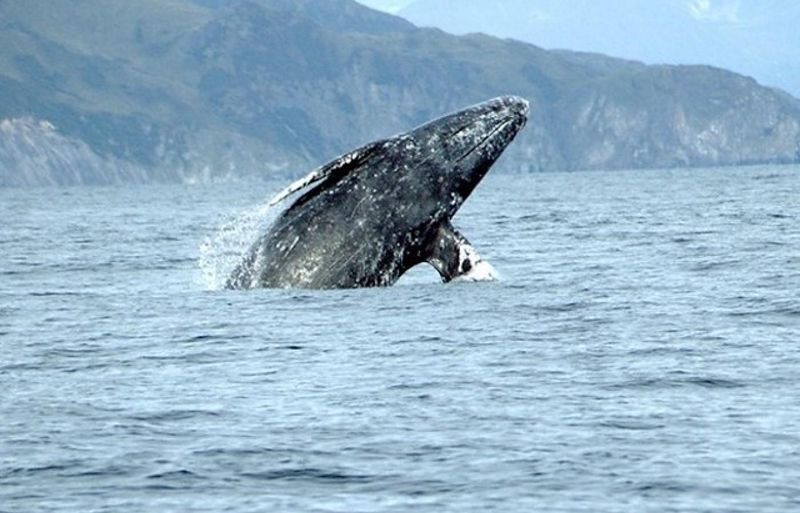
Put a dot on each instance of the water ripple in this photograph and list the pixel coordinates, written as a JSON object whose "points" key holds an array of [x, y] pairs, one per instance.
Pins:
{"points": [[638, 353]]}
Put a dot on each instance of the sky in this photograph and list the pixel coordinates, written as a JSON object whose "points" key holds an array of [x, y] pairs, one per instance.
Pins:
{"points": [[758, 38]]}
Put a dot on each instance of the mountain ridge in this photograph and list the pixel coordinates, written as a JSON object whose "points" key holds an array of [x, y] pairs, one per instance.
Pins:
{"points": [[755, 38], [185, 90]]}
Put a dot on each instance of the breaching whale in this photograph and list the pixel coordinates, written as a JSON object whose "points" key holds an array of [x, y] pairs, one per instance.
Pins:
{"points": [[380, 210]]}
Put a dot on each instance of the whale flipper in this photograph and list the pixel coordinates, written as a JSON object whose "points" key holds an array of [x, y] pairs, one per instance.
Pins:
{"points": [[333, 171], [455, 259]]}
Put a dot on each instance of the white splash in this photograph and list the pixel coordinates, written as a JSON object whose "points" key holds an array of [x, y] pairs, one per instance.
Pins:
{"points": [[221, 252]]}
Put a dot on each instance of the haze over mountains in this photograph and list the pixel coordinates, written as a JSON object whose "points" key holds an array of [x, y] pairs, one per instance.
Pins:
{"points": [[759, 38], [187, 90]]}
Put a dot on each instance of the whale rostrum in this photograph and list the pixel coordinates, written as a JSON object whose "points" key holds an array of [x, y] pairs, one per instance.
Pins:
{"points": [[367, 217]]}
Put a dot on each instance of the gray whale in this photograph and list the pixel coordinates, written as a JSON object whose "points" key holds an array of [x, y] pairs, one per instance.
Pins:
{"points": [[378, 211]]}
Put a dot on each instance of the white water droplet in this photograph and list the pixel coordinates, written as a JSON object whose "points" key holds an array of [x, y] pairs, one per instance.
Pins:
{"points": [[222, 251]]}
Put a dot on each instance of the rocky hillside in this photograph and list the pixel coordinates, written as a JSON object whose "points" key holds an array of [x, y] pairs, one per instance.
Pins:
{"points": [[758, 38], [187, 90]]}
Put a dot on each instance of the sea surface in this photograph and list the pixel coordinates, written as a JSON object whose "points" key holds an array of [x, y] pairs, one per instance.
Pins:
{"points": [[639, 352]]}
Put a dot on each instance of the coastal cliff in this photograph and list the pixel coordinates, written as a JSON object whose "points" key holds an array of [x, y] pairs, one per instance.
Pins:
{"points": [[200, 90]]}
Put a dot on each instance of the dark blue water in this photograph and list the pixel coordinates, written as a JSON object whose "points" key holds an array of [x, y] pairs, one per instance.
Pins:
{"points": [[641, 352]]}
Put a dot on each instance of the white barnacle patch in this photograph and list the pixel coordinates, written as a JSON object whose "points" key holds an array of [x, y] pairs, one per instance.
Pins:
{"points": [[471, 267], [305, 273], [285, 246]]}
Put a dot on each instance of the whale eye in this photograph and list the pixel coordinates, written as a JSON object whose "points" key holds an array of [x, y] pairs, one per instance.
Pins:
{"points": [[466, 266]]}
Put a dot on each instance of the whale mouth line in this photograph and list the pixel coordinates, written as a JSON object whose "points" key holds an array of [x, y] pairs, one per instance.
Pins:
{"points": [[503, 123]]}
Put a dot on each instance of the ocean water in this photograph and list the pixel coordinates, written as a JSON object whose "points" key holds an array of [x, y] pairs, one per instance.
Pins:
{"points": [[640, 352]]}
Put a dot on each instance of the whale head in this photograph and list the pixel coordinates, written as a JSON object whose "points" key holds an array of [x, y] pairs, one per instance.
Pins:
{"points": [[449, 156], [441, 161]]}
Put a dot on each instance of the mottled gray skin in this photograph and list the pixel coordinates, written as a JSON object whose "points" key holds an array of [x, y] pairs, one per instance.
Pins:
{"points": [[386, 207]]}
